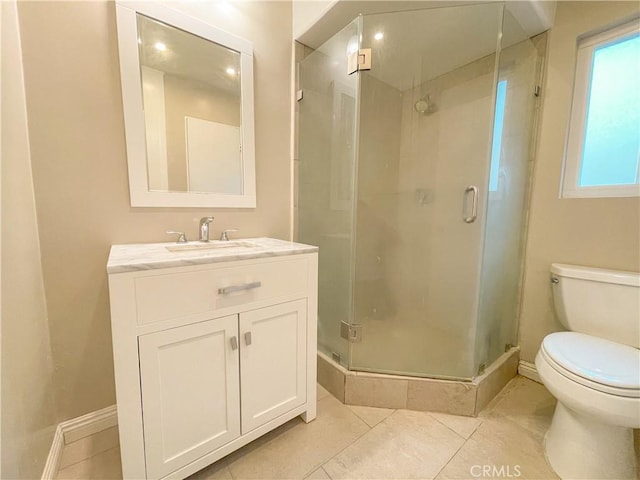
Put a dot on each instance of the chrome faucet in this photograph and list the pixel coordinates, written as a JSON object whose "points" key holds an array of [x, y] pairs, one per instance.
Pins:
{"points": [[204, 228]]}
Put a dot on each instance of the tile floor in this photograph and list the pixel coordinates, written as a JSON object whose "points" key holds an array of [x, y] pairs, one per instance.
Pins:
{"points": [[349, 442]]}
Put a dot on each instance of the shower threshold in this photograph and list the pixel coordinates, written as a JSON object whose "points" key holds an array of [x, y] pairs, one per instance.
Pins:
{"points": [[455, 397]]}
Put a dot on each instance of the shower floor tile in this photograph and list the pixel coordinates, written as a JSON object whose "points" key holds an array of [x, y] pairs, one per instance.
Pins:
{"points": [[360, 442]]}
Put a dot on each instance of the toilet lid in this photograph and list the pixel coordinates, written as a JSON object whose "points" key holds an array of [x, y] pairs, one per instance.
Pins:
{"points": [[595, 359]]}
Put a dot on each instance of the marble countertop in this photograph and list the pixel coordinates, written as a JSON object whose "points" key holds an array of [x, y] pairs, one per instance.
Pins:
{"points": [[148, 256]]}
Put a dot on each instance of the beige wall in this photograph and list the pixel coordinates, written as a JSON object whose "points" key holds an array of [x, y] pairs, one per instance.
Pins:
{"points": [[590, 231], [28, 408], [80, 170]]}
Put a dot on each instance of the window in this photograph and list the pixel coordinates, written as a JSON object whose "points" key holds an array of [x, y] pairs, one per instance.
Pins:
{"points": [[498, 124], [603, 147]]}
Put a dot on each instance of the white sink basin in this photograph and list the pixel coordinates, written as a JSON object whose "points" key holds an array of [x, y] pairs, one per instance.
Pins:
{"points": [[213, 245]]}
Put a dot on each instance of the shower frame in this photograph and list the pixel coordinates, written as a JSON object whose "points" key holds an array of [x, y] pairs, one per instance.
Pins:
{"points": [[346, 274]]}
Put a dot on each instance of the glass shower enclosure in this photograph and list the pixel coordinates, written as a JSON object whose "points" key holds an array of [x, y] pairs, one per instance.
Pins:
{"points": [[412, 178]]}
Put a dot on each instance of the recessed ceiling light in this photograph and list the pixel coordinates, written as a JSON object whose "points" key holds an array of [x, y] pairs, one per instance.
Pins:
{"points": [[161, 47], [231, 71], [379, 36]]}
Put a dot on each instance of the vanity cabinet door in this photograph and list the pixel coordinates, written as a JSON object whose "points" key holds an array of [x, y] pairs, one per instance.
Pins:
{"points": [[190, 392], [273, 359]]}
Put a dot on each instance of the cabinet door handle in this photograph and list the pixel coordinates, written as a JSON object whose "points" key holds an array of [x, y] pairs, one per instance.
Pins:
{"points": [[247, 338], [238, 288], [234, 343]]}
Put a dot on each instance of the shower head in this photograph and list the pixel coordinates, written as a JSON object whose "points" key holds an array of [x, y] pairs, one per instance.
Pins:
{"points": [[425, 106]]}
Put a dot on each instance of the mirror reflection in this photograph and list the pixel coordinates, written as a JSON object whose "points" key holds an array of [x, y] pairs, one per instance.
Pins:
{"points": [[192, 111]]}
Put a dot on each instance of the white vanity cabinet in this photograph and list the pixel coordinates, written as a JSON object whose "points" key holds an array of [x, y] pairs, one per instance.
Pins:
{"points": [[212, 349]]}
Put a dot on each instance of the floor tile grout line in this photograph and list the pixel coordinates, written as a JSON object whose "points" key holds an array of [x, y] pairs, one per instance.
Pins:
{"points": [[347, 446], [321, 465], [293, 419], [464, 441], [454, 455], [325, 472], [370, 429], [356, 414], [444, 424], [475, 430], [394, 410]]}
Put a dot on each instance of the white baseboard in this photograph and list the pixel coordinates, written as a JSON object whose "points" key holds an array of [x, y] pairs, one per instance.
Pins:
{"points": [[55, 455], [88, 424], [74, 430], [528, 369]]}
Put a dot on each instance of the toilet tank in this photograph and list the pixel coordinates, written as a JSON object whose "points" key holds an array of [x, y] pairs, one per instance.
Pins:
{"points": [[598, 302]]}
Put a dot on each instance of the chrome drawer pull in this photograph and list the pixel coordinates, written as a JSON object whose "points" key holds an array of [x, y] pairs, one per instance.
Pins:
{"points": [[234, 343], [239, 288], [247, 338]]}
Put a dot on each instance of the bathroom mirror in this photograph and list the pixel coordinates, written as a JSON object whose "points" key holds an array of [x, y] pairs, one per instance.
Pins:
{"points": [[187, 92]]}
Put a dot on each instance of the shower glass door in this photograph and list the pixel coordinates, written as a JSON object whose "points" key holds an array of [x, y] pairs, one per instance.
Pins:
{"points": [[325, 165], [425, 132]]}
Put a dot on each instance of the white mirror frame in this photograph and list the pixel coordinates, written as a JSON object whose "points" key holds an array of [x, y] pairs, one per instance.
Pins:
{"points": [[134, 114]]}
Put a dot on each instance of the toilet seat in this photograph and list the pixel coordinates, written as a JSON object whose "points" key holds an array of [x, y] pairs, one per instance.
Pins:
{"points": [[594, 362]]}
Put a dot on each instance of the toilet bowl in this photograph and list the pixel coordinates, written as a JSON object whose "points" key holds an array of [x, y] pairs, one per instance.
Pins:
{"points": [[594, 372]]}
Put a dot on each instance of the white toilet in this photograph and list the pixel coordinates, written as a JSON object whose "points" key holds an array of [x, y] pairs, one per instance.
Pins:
{"points": [[594, 372]]}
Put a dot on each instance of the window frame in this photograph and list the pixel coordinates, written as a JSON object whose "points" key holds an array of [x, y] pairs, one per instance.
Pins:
{"points": [[586, 48]]}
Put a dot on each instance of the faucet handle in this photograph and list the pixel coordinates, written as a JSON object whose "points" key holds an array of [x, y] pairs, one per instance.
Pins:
{"points": [[224, 237], [182, 238]]}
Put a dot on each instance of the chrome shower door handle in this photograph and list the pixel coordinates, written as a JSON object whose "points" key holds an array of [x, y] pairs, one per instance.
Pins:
{"points": [[474, 203]]}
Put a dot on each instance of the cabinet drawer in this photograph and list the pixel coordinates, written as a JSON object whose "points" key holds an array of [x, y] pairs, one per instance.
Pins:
{"points": [[163, 297]]}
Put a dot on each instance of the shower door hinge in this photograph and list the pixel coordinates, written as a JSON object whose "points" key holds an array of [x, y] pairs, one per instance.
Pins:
{"points": [[360, 60], [351, 331], [537, 90]]}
